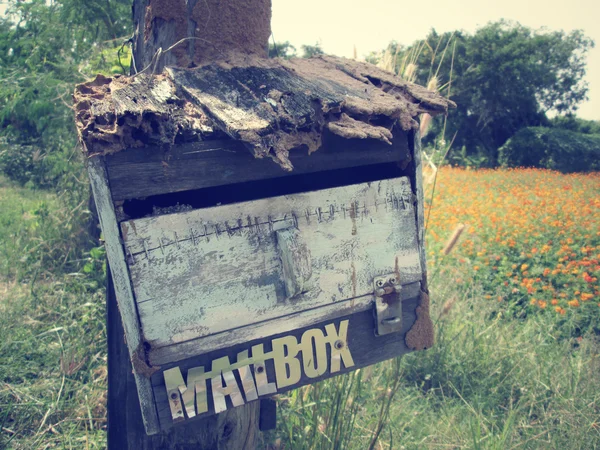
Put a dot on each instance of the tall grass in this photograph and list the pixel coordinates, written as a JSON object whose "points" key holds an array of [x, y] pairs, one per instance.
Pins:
{"points": [[52, 331], [41, 232], [488, 383]]}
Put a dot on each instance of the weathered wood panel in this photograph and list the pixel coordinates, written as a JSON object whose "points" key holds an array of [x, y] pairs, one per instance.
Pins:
{"points": [[216, 269], [365, 347], [176, 352], [150, 170], [415, 137], [122, 285], [272, 105]]}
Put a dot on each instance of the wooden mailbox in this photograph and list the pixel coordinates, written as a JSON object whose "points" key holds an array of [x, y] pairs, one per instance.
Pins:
{"points": [[263, 222]]}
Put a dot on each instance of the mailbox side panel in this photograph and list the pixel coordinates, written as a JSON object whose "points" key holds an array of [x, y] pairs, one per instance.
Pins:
{"points": [[122, 285]]}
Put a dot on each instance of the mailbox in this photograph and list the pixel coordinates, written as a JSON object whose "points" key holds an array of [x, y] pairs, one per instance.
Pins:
{"points": [[264, 227]]}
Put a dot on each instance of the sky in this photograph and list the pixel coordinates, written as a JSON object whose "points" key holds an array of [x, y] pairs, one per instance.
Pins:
{"points": [[339, 25]]}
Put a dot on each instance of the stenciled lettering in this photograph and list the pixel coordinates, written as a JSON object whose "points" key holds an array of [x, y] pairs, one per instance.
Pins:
{"points": [[195, 379], [287, 366], [224, 384], [247, 378], [339, 346], [254, 383], [314, 353]]}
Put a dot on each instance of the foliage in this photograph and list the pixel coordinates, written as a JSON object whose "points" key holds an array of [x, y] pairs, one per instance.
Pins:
{"points": [[40, 166], [552, 148], [505, 77], [574, 123], [53, 365], [287, 50], [532, 243], [282, 50], [40, 233], [45, 48], [308, 51], [52, 332]]}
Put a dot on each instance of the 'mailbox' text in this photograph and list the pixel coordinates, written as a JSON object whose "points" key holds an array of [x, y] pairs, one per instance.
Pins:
{"points": [[290, 359]]}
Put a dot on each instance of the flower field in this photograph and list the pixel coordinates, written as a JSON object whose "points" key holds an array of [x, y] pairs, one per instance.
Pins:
{"points": [[532, 239]]}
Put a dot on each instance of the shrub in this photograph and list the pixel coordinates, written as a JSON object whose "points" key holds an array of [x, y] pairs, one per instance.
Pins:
{"points": [[552, 148], [38, 166], [574, 123]]}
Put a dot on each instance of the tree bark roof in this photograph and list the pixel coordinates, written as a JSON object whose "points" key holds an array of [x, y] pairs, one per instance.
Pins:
{"points": [[272, 105]]}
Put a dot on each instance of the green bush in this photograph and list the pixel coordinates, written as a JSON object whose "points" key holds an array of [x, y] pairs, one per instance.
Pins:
{"points": [[39, 166], [552, 148], [574, 123]]}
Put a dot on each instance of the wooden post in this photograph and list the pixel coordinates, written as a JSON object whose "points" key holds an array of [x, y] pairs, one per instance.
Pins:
{"points": [[204, 31], [183, 33]]}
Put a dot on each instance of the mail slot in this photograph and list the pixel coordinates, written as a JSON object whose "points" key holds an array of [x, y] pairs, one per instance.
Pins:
{"points": [[241, 275]]}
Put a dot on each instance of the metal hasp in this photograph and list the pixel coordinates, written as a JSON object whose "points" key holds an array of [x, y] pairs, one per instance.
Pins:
{"points": [[388, 304]]}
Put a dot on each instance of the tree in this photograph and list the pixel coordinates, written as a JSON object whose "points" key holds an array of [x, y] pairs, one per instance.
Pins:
{"points": [[309, 51], [572, 123], [282, 50], [45, 48], [504, 77]]}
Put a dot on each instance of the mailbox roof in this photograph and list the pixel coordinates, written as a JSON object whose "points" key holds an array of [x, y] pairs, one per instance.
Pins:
{"points": [[271, 105]]}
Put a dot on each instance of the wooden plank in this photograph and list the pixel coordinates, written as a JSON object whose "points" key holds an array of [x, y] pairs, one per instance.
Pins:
{"points": [[273, 105], [147, 171], [125, 424], [168, 354], [207, 271], [420, 204], [122, 286], [365, 347]]}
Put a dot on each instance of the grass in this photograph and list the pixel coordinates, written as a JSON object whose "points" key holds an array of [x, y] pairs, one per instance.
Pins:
{"points": [[40, 233], [488, 383], [52, 335], [499, 376]]}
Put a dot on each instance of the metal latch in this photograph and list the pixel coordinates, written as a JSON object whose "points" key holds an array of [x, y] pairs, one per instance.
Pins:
{"points": [[388, 304]]}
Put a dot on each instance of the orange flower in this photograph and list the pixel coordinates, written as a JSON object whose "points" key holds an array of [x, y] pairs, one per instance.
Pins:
{"points": [[554, 302], [573, 303]]}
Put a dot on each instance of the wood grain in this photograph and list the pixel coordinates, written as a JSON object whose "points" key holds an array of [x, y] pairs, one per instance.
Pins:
{"points": [[212, 270], [176, 352], [147, 171], [122, 286], [366, 349]]}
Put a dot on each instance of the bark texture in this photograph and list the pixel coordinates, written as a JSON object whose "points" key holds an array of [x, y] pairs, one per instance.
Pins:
{"points": [[210, 30], [271, 105]]}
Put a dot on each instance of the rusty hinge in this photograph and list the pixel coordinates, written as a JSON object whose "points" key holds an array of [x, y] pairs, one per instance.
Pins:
{"points": [[388, 304]]}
